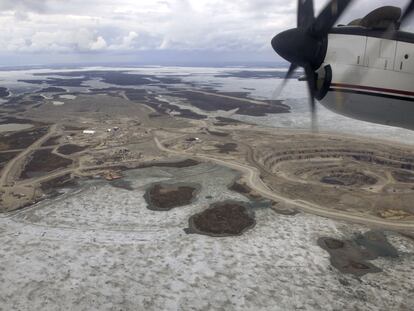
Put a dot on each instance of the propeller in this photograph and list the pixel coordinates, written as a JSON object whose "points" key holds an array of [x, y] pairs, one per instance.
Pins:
{"points": [[408, 11], [306, 45]]}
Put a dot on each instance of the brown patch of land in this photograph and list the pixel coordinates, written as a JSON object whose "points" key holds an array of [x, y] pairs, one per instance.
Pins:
{"points": [[74, 128], [6, 157], [43, 162], [394, 214], [179, 164], [70, 149], [154, 115], [245, 190], [22, 139], [240, 188], [164, 197], [227, 148], [220, 134], [52, 186], [352, 256], [222, 219], [52, 141]]}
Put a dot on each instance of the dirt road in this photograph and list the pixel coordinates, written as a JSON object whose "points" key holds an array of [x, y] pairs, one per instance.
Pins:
{"points": [[14, 164]]}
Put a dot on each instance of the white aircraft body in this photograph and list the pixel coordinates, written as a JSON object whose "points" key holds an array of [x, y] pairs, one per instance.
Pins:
{"points": [[364, 70]]}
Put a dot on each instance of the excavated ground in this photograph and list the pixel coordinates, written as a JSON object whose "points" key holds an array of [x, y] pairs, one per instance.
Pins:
{"points": [[343, 173], [343, 178], [403, 176], [331, 171], [52, 141]]}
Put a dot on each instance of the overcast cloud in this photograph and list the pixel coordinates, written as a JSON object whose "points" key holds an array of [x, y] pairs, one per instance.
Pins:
{"points": [[68, 27]]}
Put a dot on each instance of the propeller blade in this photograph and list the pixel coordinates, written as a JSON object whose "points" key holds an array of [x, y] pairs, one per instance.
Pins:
{"points": [[408, 11], [306, 15], [291, 71], [329, 16], [311, 79], [289, 75]]}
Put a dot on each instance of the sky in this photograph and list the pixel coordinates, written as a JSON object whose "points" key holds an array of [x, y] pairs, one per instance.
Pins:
{"points": [[150, 31]]}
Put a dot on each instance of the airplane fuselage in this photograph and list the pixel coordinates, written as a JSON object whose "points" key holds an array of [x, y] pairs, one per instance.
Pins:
{"points": [[371, 78]]}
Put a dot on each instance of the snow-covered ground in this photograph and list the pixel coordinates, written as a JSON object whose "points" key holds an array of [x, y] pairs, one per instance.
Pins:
{"points": [[100, 248]]}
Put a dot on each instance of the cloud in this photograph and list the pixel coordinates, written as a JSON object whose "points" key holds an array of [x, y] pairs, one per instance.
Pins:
{"points": [[23, 5], [98, 45], [73, 26], [126, 43], [62, 41]]}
